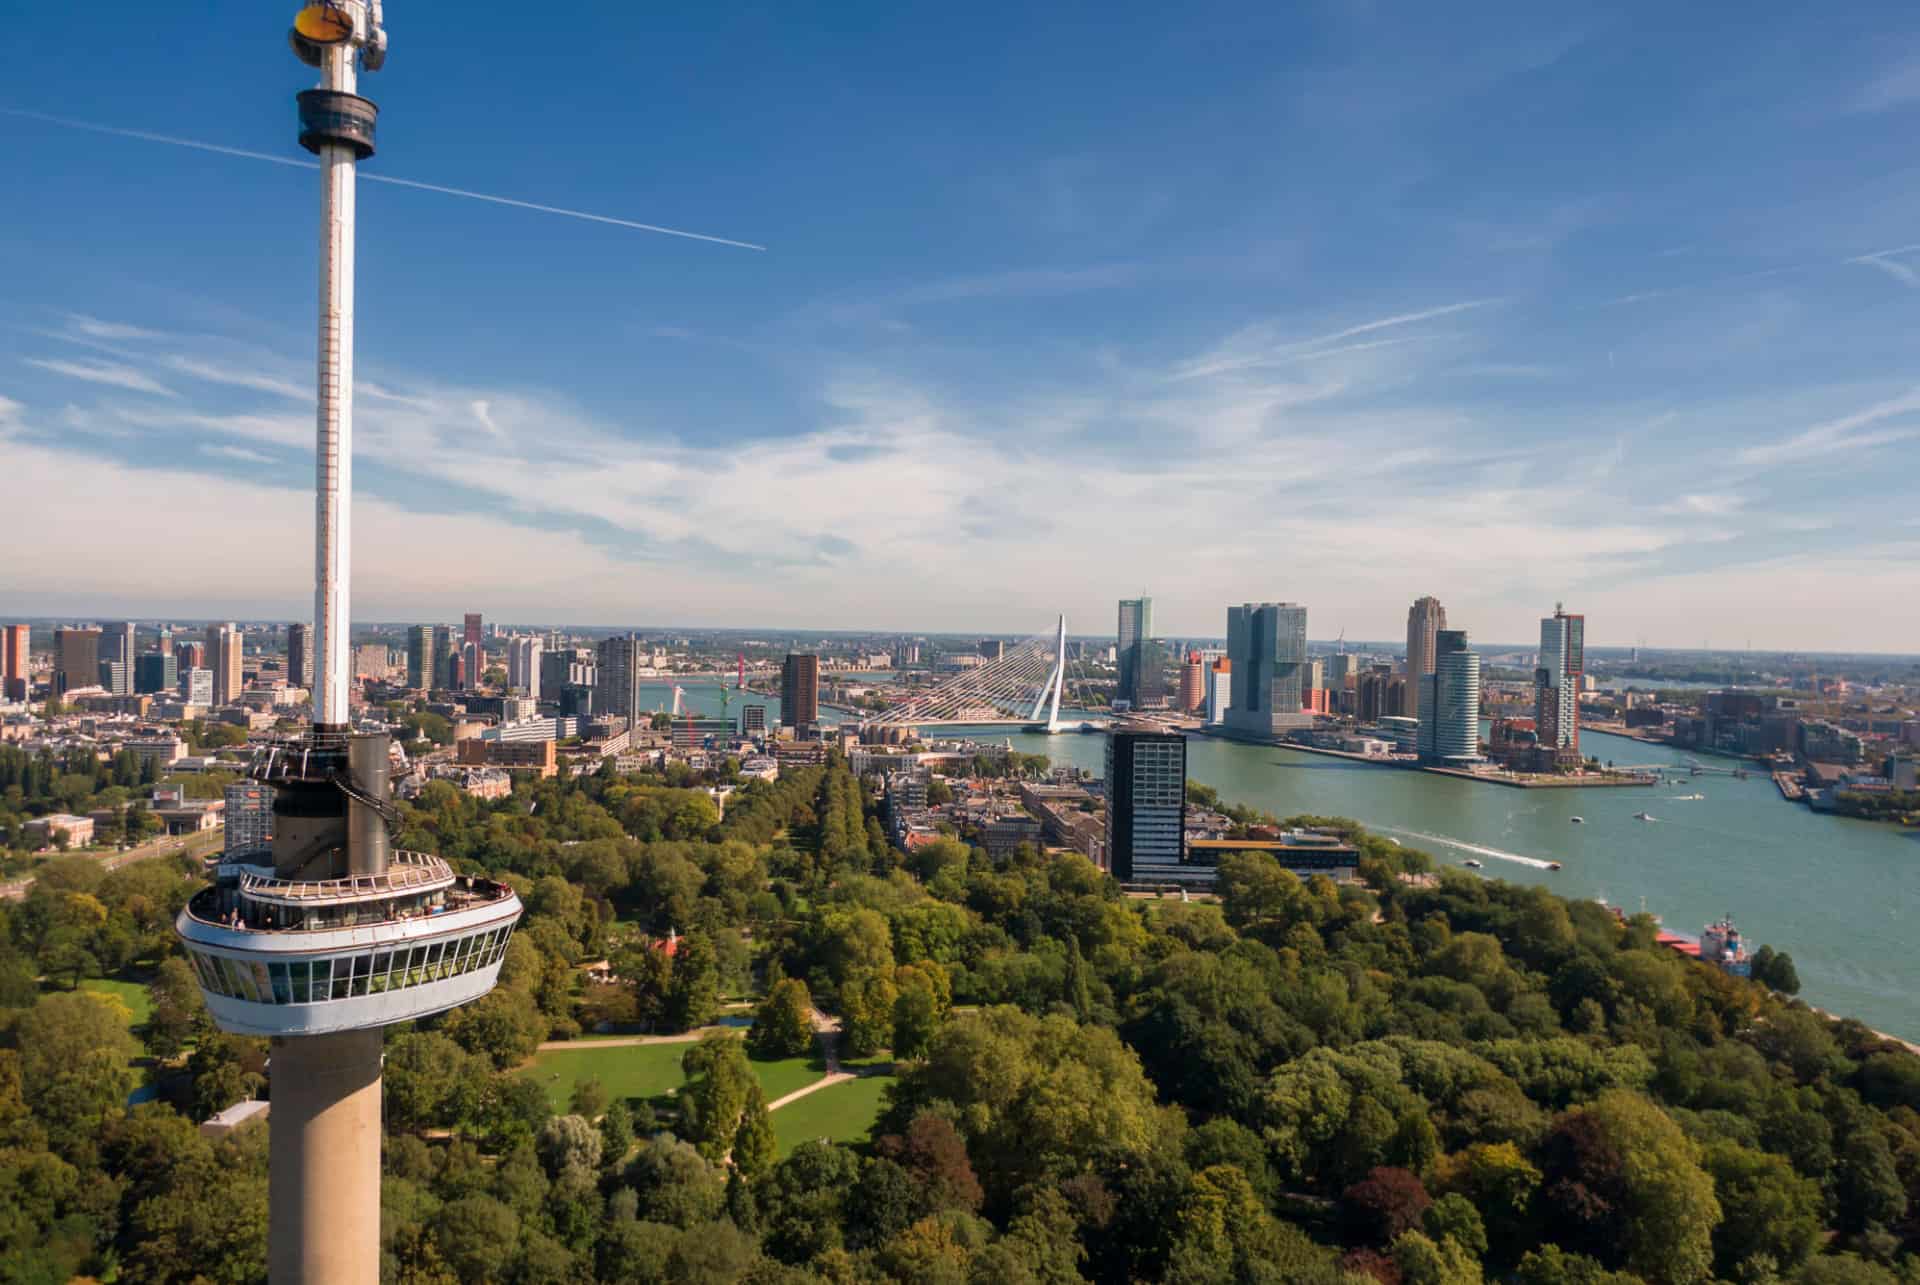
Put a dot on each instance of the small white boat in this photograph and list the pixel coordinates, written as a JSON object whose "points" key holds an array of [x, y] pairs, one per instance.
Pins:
{"points": [[1473, 863], [1576, 820], [1642, 816]]}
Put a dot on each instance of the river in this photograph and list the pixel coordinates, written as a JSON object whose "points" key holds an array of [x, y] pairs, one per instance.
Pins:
{"points": [[1834, 893]]}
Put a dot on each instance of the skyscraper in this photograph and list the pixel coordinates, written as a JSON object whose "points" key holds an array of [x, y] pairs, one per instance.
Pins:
{"points": [[76, 659], [474, 632], [420, 656], [155, 672], [616, 689], [1267, 643], [116, 648], [189, 655], [225, 657], [473, 662], [15, 662], [800, 690], [1450, 701], [299, 655], [1556, 682], [524, 665], [1424, 618], [1142, 661], [1146, 783]]}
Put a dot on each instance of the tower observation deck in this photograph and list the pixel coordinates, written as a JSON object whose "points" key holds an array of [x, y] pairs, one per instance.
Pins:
{"points": [[326, 935]]}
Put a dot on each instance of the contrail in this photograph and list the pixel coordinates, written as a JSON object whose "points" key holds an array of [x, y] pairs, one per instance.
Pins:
{"points": [[365, 177]]}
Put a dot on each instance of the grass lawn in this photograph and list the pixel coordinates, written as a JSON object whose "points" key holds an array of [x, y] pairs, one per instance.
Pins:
{"points": [[841, 1113], [779, 1078], [645, 1071], [132, 994]]}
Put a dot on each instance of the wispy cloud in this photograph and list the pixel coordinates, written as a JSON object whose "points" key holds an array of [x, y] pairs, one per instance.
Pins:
{"points": [[243, 454], [277, 430], [1887, 263], [94, 328], [1714, 505], [1842, 434], [1895, 87], [215, 373], [1261, 345], [112, 374]]}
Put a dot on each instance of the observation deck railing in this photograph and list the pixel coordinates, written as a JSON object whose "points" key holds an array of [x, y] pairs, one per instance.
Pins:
{"points": [[406, 872]]}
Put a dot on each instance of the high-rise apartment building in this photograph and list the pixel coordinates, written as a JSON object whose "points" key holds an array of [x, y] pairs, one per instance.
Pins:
{"points": [[616, 690], [753, 720], [1193, 682], [1219, 691], [474, 632], [1142, 661], [299, 655], [15, 662], [116, 649], [76, 659], [800, 690], [524, 666], [993, 648], [189, 655], [1146, 783], [430, 654], [1425, 618], [1313, 686], [1556, 682], [562, 667], [1373, 694], [225, 657], [370, 661], [249, 819], [1450, 701], [1267, 643], [196, 687], [473, 662]]}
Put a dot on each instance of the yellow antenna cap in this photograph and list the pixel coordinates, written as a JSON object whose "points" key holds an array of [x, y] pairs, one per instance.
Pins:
{"points": [[324, 24]]}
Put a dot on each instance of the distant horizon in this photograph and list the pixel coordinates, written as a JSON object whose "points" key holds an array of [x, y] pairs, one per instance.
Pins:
{"points": [[1353, 644]]}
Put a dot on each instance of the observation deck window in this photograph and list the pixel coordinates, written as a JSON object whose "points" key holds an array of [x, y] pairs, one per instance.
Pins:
{"points": [[339, 977]]}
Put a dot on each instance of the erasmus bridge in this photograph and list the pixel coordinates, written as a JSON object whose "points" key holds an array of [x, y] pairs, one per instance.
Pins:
{"points": [[1022, 688]]}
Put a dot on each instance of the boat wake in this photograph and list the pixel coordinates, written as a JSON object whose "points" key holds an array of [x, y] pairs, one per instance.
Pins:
{"points": [[1496, 853]]}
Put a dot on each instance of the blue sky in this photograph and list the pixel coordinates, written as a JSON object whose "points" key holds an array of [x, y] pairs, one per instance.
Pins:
{"points": [[1339, 303]]}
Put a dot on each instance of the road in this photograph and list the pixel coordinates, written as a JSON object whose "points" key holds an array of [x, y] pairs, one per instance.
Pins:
{"points": [[198, 844]]}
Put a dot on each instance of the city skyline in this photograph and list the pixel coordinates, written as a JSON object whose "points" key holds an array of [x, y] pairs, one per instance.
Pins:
{"points": [[1469, 365]]}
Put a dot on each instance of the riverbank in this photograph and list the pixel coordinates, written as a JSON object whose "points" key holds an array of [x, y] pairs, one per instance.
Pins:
{"points": [[1545, 781], [1841, 895], [1513, 780]]}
